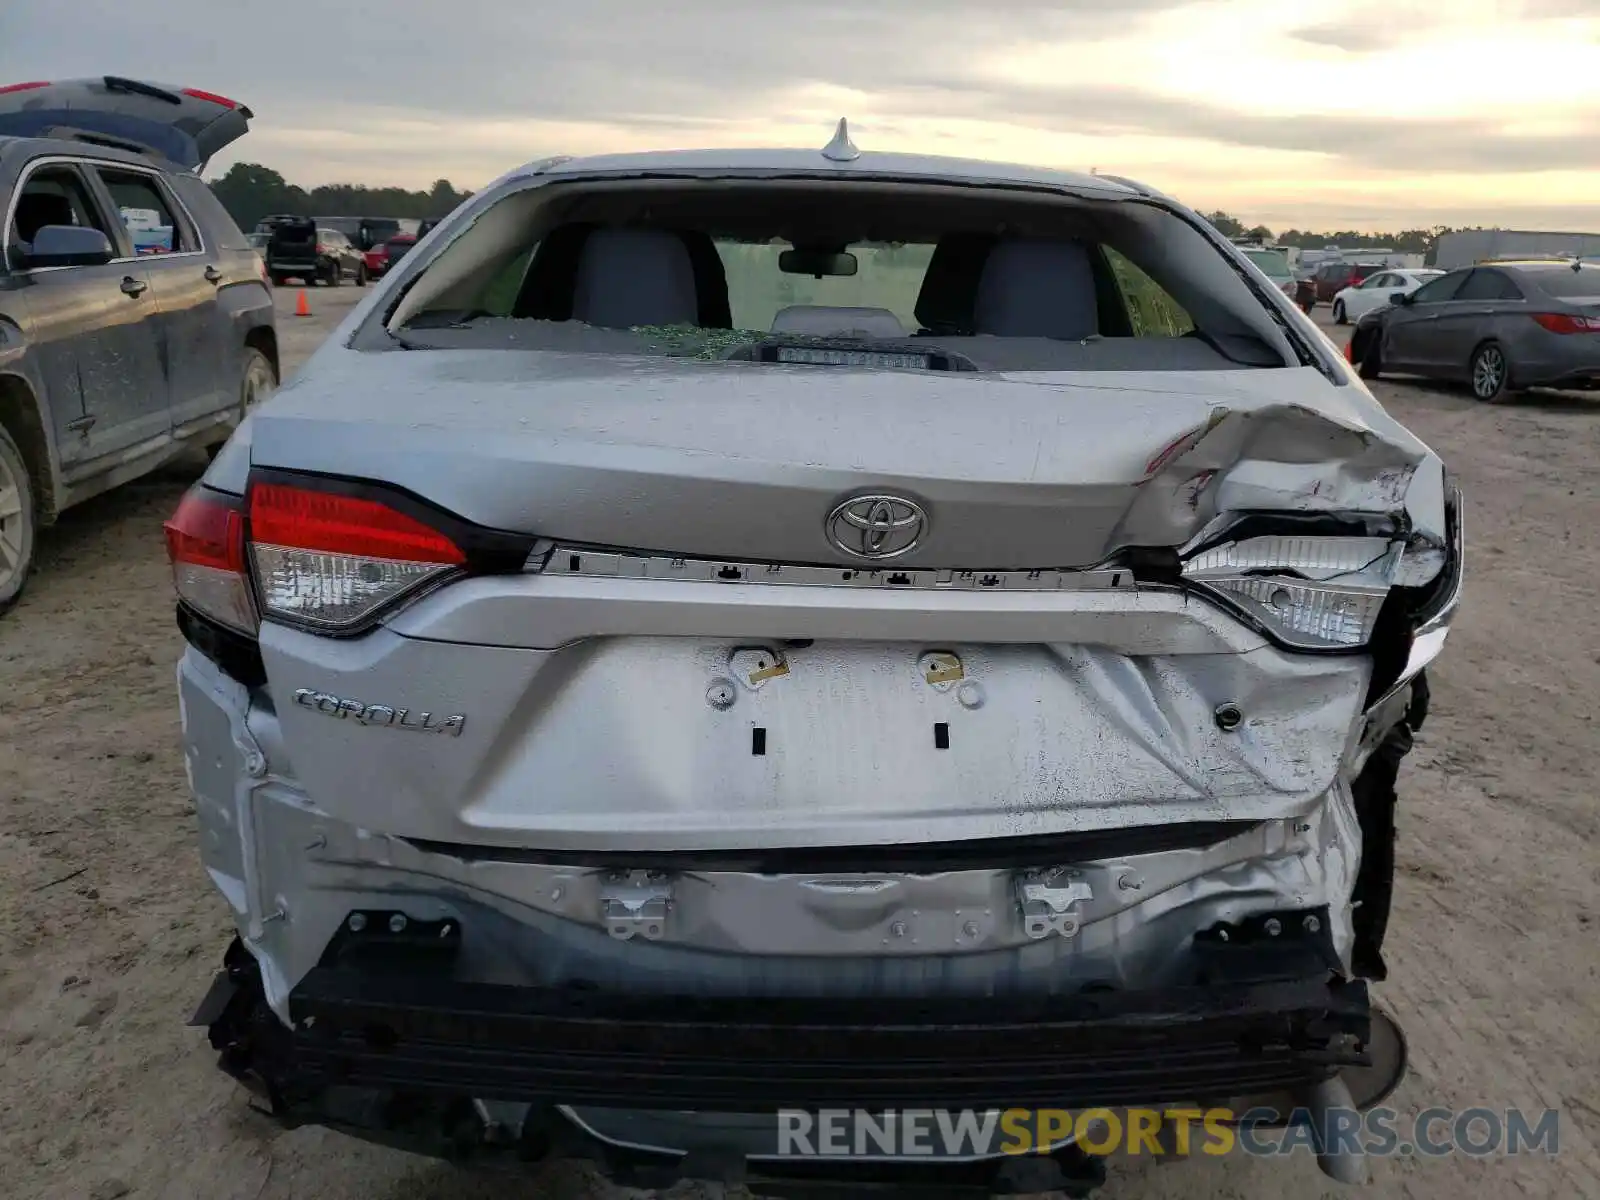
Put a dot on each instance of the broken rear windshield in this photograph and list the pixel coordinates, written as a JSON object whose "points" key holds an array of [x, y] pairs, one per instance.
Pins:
{"points": [[826, 287]]}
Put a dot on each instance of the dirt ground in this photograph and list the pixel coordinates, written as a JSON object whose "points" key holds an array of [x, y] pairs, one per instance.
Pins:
{"points": [[109, 933]]}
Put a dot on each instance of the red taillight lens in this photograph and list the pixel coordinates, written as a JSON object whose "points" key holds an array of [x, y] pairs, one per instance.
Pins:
{"points": [[308, 520], [1568, 323], [205, 544], [332, 561], [321, 249], [211, 96], [23, 87], [1349, 352]]}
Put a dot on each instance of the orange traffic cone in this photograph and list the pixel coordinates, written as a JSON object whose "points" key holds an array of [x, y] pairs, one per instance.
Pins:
{"points": [[302, 307]]}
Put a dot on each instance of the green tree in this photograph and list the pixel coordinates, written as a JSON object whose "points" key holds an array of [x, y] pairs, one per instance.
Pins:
{"points": [[251, 191], [1227, 226]]}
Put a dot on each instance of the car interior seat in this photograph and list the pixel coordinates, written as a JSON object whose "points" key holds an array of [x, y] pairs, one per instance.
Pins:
{"points": [[1042, 289], [617, 277], [35, 210]]}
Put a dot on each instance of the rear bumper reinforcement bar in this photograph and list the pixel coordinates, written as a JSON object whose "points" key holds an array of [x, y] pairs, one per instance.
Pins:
{"points": [[409, 1057]]}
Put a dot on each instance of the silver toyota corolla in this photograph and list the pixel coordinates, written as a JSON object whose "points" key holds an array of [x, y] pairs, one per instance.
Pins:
{"points": [[722, 635]]}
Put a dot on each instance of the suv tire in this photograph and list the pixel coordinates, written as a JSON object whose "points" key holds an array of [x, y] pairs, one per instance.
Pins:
{"points": [[18, 521], [1338, 312]]}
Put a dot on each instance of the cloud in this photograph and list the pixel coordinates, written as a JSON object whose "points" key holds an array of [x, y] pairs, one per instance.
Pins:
{"points": [[410, 90], [597, 61], [1462, 144], [1353, 37], [1374, 26]]}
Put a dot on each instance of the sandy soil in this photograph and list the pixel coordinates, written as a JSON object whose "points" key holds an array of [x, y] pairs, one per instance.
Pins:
{"points": [[109, 933]]}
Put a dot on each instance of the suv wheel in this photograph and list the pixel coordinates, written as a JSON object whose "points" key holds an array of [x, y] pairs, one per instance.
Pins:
{"points": [[361, 275], [1491, 373], [258, 381], [335, 275], [1338, 312], [17, 521]]}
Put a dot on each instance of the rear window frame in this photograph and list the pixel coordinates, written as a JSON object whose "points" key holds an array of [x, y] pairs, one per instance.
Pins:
{"points": [[1290, 332]]}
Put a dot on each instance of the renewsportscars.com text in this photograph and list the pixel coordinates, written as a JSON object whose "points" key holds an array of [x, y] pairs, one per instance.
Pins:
{"points": [[1382, 1132]]}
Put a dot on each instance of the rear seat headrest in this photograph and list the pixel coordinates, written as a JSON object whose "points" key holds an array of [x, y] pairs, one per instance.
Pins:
{"points": [[1037, 289], [630, 277]]}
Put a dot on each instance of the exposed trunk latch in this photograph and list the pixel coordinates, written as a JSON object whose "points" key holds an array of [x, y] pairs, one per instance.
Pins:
{"points": [[1049, 898], [635, 903]]}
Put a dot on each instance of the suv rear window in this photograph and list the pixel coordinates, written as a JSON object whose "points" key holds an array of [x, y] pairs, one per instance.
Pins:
{"points": [[844, 275]]}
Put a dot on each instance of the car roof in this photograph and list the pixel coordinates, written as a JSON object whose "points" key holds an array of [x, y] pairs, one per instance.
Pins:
{"points": [[73, 148], [910, 168], [1538, 264]]}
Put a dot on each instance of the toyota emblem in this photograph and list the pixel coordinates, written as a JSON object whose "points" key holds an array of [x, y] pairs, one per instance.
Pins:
{"points": [[877, 527]]}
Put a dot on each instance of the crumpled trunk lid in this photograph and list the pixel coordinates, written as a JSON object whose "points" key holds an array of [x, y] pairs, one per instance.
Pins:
{"points": [[747, 462]]}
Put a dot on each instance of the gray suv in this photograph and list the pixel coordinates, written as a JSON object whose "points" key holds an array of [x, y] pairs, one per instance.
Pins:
{"points": [[134, 319], [718, 636]]}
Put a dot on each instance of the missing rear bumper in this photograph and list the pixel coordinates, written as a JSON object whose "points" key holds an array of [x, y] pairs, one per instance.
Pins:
{"points": [[403, 1054]]}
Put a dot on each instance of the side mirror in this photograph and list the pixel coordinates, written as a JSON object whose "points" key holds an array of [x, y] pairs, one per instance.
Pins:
{"points": [[1399, 297], [67, 246]]}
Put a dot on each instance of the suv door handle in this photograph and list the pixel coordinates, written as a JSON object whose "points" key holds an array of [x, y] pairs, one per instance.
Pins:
{"points": [[212, 274], [133, 287]]}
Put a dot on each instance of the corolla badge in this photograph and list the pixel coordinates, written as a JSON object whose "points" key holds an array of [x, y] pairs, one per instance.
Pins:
{"points": [[379, 714], [877, 526]]}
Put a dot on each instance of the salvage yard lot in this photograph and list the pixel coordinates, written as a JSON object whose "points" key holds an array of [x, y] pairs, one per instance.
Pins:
{"points": [[109, 933]]}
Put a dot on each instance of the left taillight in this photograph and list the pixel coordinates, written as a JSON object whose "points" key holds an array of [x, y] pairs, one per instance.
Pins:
{"points": [[331, 562], [206, 547]]}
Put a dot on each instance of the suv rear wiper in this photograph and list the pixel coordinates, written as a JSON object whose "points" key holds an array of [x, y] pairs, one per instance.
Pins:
{"points": [[116, 83]]}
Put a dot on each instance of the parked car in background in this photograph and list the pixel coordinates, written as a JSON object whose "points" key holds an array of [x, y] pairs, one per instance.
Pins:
{"points": [[400, 245], [362, 232], [1499, 329], [396, 248], [299, 248], [134, 319], [1305, 289], [1331, 278], [1274, 265], [646, 714], [377, 259], [1354, 302]]}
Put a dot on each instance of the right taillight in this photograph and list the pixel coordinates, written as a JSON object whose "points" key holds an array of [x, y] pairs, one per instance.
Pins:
{"points": [[1313, 593], [331, 561], [1568, 323]]}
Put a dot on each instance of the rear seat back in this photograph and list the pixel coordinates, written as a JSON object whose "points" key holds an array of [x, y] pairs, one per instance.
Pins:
{"points": [[630, 277], [1037, 289]]}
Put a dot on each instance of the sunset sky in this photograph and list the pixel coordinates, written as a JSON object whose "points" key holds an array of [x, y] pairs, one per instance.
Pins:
{"points": [[1355, 114]]}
